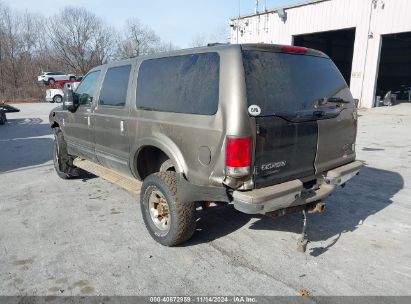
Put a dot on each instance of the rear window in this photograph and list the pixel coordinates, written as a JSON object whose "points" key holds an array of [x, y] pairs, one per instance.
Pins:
{"points": [[180, 84], [287, 83]]}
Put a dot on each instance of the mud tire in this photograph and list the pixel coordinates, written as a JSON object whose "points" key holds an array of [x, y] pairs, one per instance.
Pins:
{"points": [[182, 218]]}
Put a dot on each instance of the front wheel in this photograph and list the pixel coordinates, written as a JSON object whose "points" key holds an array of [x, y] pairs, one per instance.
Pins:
{"points": [[169, 221], [63, 162]]}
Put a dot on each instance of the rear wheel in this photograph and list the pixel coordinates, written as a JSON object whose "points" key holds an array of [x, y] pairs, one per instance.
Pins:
{"points": [[169, 221], [51, 81], [63, 162]]}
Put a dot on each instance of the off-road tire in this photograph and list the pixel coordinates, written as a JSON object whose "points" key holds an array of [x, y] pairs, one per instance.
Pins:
{"points": [[182, 218], [3, 118], [63, 162]]}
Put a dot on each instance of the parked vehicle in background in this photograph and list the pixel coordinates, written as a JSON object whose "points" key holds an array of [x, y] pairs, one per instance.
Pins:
{"points": [[71, 85], [3, 118], [403, 92], [54, 95], [5, 108], [52, 77], [268, 128], [56, 91]]}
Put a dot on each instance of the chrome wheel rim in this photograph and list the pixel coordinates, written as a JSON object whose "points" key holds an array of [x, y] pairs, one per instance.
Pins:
{"points": [[159, 211]]}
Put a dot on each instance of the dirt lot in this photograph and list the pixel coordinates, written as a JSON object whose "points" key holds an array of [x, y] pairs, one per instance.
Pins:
{"points": [[87, 236]]}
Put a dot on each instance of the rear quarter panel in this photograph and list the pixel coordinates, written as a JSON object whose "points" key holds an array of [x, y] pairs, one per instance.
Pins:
{"points": [[184, 137]]}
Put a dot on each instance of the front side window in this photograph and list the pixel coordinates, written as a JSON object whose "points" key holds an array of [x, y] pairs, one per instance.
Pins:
{"points": [[114, 90], [87, 88], [180, 84]]}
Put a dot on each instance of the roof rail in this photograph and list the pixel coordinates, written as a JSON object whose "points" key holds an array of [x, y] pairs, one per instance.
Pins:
{"points": [[217, 43]]}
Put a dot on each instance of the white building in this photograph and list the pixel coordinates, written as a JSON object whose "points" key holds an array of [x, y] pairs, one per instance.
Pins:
{"points": [[369, 40]]}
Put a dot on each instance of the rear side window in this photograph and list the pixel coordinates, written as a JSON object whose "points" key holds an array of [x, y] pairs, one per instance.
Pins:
{"points": [[114, 90], [286, 83], [180, 84]]}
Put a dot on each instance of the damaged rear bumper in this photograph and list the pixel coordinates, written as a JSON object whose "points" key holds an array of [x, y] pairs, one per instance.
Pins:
{"points": [[293, 193]]}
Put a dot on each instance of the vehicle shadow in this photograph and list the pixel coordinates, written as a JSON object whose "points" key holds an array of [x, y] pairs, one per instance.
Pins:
{"points": [[216, 222], [27, 142], [24, 142], [347, 209]]}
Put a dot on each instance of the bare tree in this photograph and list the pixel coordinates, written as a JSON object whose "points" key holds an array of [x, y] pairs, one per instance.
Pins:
{"points": [[199, 40], [220, 34], [73, 40], [80, 39], [140, 40]]}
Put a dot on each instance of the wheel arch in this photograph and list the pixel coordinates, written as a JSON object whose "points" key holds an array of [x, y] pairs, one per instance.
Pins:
{"points": [[54, 124], [166, 146]]}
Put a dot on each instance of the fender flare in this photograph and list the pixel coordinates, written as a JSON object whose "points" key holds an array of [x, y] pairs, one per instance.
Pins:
{"points": [[166, 145]]}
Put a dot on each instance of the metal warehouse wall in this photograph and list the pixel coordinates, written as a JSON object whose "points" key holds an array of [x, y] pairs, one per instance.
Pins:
{"points": [[371, 18]]}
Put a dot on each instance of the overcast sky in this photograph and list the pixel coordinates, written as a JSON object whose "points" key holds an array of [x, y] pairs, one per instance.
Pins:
{"points": [[177, 21]]}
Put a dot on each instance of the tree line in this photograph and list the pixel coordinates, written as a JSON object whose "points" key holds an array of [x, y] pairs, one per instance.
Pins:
{"points": [[73, 40]]}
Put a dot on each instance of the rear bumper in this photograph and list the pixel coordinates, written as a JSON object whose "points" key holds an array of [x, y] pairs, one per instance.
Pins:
{"points": [[292, 193]]}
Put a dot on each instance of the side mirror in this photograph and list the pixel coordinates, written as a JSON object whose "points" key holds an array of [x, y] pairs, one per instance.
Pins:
{"points": [[70, 102]]}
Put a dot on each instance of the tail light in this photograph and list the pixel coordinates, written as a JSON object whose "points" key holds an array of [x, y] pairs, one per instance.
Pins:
{"points": [[293, 49], [238, 156]]}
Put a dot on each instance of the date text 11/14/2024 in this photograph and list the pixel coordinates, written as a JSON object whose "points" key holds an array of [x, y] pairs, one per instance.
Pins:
{"points": [[203, 299]]}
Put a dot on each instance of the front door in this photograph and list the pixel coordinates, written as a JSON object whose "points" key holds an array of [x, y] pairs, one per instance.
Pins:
{"points": [[78, 130], [110, 120]]}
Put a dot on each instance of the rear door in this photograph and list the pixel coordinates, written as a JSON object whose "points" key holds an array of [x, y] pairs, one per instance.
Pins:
{"points": [[305, 114]]}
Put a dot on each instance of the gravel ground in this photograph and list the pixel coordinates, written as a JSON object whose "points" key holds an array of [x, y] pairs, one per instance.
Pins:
{"points": [[87, 237]]}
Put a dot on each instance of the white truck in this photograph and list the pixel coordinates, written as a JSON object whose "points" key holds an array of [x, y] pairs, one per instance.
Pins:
{"points": [[56, 93]]}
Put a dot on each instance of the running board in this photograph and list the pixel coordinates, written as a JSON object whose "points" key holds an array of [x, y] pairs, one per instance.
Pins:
{"points": [[125, 182]]}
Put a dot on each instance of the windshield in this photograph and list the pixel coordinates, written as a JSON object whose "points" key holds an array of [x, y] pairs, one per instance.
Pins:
{"points": [[281, 83]]}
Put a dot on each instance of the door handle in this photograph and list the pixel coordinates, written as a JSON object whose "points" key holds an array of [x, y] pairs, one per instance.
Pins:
{"points": [[88, 121], [122, 126]]}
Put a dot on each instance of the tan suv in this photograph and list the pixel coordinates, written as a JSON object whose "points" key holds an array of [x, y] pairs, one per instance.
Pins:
{"points": [[268, 128]]}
